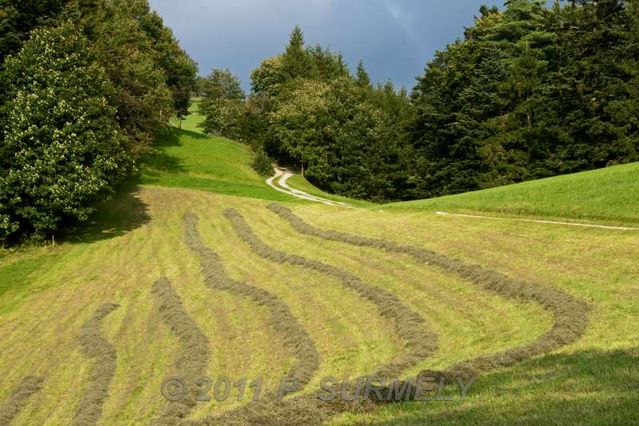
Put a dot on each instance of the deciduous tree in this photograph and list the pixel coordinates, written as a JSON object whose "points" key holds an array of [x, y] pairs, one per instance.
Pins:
{"points": [[65, 147]]}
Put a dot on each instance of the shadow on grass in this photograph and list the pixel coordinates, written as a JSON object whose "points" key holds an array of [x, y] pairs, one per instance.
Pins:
{"points": [[121, 214], [171, 137], [159, 161], [192, 134], [124, 213], [588, 387]]}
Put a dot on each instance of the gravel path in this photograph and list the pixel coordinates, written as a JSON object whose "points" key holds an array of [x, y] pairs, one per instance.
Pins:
{"points": [[279, 183]]}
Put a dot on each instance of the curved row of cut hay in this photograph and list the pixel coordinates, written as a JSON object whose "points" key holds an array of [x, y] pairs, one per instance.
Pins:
{"points": [[408, 325], [18, 398], [268, 410], [192, 361], [570, 314], [96, 346], [296, 339], [309, 409]]}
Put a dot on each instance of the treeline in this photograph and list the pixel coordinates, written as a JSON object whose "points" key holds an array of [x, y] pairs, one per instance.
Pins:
{"points": [[531, 91], [85, 87], [307, 109]]}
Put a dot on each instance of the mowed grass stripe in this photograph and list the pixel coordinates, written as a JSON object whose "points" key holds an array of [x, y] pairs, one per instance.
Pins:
{"points": [[468, 319], [350, 341], [18, 398], [96, 346], [248, 333], [570, 314], [348, 332], [306, 409], [407, 323], [192, 360], [296, 339], [235, 324]]}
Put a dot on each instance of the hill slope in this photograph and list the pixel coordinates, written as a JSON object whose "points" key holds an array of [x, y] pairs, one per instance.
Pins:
{"points": [[610, 195], [546, 315], [186, 158]]}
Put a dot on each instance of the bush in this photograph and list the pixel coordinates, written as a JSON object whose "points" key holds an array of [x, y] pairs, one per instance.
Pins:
{"points": [[263, 164], [63, 150]]}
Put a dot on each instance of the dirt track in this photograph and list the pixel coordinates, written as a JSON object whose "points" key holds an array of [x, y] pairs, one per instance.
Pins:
{"points": [[547, 222], [279, 183]]}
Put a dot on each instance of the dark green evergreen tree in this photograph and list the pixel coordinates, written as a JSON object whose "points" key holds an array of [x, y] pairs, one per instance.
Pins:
{"points": [[530, 92], [361, 76], [296, 60]]}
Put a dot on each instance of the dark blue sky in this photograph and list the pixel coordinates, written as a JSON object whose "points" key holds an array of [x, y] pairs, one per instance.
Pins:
{"points": [[395, 38]]}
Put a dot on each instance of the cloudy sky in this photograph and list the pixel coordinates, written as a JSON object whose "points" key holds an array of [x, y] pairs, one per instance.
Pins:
{"points": [[395, 38]]}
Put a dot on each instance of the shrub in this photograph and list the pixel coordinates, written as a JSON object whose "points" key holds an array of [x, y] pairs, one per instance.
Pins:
{"points": [[263, 164]]}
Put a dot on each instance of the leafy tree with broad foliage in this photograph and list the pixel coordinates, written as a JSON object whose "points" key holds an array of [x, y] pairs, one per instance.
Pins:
{"points": [[223, 104], [532, 90], [55, 167], [142, 98], [307, 110], [63, 141]]}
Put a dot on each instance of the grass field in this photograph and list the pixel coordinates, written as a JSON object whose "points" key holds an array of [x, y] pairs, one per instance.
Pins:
{"points": [[299, 182], [186, 158], [609, 195], [229, 307]]}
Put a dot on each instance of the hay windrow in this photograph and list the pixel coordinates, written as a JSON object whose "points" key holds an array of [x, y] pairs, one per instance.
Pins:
{"points": [[96, 346], [570, 314], [308, 409], [304, 410], [408, 325], [193, 357], [296, 339], [18, 398]]}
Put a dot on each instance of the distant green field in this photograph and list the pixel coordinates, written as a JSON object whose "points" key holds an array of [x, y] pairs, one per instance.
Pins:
{"points": [[609, 195], [299, 182], [187, 158]]}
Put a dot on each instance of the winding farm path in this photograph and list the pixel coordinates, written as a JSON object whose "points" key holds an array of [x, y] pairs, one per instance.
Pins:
{"points": [[281, 177], [279, 183], [548, 222]]}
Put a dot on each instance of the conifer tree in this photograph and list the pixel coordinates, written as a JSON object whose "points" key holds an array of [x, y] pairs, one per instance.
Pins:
{"points": [[296, 61], [361, 76]]}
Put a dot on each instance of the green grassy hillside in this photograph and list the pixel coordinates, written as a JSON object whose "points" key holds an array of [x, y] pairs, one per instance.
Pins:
{"points": [[187, 158], [253, 294], [610, 195], [300, 183]]}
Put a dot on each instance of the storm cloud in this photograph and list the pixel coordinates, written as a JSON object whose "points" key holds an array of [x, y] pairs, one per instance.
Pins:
{"points": [[395, 38]]}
